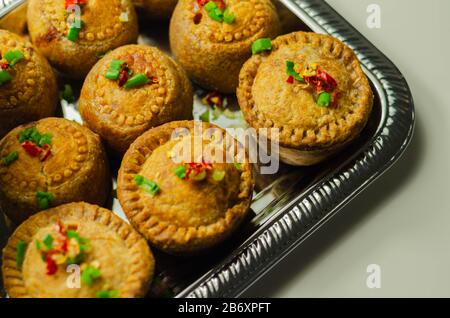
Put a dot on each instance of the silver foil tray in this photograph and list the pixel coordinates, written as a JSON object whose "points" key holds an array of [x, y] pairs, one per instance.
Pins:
{"points": [[289, 206]]}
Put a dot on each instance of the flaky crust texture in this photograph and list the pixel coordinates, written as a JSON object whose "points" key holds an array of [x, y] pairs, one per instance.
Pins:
{"points": [[102, 32], [130, 272], [32, 93], [212, 52], [120, 115], [77, 170], [267, 101], [157, 9], [16, 21], [184, 217]]}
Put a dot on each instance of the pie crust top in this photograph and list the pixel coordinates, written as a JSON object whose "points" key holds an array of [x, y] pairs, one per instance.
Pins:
{"points": [[31, 76], [115, 112], [121, 255], [253, 19], [101, 19], [185, 215], [269, 101], [76, 168]]}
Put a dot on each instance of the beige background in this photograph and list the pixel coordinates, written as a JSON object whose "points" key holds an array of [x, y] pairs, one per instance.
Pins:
{"points": [[402, 221]]}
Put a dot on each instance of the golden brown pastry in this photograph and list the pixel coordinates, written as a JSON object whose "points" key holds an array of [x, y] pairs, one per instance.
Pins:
{"points": [[156, 9], [74, 48], [213, 45], [184, 201], [132, 89], [28, 89], [77, 250], [310, 87], [16, 21], [48, 163]]}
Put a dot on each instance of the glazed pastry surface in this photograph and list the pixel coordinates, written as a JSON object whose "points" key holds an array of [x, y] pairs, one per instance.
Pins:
{"points": [[268, 100], [184, 215], [32, 92], [120, 115], [76, 168], [103, 30], [213, 52], [122, 257]]}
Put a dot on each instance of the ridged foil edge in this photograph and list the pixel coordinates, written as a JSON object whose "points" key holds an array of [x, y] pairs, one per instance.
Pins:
{"points": [[311, 209]]}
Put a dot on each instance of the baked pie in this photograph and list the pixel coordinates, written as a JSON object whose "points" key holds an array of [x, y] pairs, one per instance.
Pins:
{"points": [[178, 191], [312, 89], [132, 89], [74, 34], [213, 39], [28, 89], [48, 163], [77, 250], [156, 9]]}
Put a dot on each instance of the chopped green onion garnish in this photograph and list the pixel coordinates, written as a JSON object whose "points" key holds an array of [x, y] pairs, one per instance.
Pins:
{"points": [[260, 45], [216, 14], [46, 139], [44, 199], [13, 57], [324, 99], [48, 241], [228, 16], [114, 69], [74, 32], [5, 77], [218, 175], [149, 186], [9, 159], [21, 248], [211, 5], [205, 116], [180, 172], [291, 72], [108, 294], [32, 134], [238, 166], [67, 94], [89, 274], [199, 177], [137, 80], [38, 245]]}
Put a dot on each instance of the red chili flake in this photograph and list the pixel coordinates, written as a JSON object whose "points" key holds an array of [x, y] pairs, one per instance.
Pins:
{"points": [[31, 148], [154, 79], [124, 74], [290, 79], [52, 268], [74, 2], [202, 2], [47, 152], [197, 168], [334, 99], [4, 65], [220, 3], [322, 81]]}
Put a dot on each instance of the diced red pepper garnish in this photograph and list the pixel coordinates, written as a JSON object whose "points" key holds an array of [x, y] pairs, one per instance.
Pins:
{"points": [[124, 74], [47, 152], [52, 268], [220, 3], [31, 148], [196, 168], [74, 2], [290, 79], [322, 81], [334, 99], [4, 65]]}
